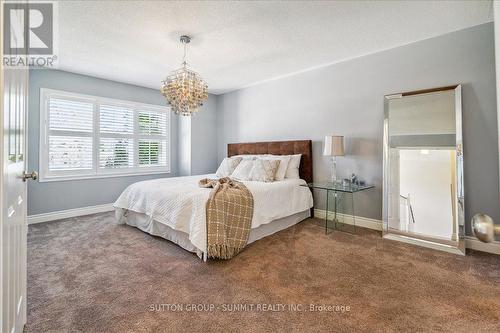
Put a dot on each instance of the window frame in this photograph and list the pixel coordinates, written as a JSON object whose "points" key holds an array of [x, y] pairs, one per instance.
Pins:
{"points": [[45, 175]]}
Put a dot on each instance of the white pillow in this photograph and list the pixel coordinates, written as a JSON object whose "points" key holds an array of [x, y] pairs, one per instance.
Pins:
{"points": [[293, 167], [264, 170], [283, 166], [227, 166], [249, 157], [242, 171]]}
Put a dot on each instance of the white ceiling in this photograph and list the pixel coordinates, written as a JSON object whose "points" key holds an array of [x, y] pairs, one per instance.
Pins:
{"points": [[237, 44]]}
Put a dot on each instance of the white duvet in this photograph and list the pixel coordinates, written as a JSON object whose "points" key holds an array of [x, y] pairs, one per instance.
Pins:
{"points": [[179, 202]]}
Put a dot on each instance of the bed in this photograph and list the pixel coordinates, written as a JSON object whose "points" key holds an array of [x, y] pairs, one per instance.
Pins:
{"points": [[174, 208]]}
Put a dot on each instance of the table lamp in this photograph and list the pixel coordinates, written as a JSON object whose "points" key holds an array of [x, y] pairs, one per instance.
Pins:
{"points": [[334, 146]]}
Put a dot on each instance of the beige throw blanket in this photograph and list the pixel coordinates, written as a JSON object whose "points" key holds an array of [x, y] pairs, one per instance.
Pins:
{"points": [[229, 217]]}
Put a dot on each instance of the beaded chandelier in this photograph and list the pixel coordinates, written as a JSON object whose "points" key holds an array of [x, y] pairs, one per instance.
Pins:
{"points": [[184, 89]]}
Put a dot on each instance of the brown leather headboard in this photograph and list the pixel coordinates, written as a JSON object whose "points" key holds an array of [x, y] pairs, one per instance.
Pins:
{"points": [[303, 147]]}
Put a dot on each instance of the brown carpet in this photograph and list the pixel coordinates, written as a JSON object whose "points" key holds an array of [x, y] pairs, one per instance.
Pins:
{"points": [[90, 275]]}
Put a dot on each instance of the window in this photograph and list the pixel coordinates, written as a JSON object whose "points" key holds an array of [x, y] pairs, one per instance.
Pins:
{"points": [[89, 137]]}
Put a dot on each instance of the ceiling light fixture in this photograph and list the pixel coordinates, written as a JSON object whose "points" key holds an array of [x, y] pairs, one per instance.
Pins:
{"points": [[184, 89]]}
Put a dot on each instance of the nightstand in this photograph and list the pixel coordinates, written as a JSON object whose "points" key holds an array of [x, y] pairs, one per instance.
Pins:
{"points": [[340, 198]]}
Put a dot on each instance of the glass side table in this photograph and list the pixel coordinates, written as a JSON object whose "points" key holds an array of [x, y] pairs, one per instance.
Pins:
{"points": [[341, 197]]}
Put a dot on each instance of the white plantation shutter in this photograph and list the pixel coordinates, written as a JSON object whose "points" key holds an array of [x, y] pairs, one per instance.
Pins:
{"points": [[116, 153], [116, 119], [152, 153], [153, 143], [86, 136], [70, 127], [116, 146], [71, 115], [152, 123], [70, 153]]}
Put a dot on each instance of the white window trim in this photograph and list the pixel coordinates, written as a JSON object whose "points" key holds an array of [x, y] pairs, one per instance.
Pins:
{"points": [[46, 176]]}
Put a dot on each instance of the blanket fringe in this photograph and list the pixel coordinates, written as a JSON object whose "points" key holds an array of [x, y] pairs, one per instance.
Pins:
{"points": [[221, 251]]}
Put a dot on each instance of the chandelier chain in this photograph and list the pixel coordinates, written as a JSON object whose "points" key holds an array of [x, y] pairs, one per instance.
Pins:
{"points": [[184, 59]]}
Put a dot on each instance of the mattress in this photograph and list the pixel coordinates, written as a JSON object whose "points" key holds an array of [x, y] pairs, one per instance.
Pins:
{"points": [[179, 204]]}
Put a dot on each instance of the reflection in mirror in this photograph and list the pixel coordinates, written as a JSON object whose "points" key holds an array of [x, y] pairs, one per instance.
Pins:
{"points": [[426, 192], [423, 185]]}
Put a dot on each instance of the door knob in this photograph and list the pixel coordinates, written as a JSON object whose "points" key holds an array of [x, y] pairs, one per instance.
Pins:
{"points": [[33, 175], [484, 228]]}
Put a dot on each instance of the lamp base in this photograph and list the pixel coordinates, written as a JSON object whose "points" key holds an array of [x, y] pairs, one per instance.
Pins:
{"points": [[334, 169]]}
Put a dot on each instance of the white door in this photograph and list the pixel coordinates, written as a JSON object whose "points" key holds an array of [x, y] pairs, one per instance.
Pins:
{"points": [[13, 225]]}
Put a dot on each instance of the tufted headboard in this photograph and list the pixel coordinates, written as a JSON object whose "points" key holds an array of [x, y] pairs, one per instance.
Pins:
{"points": [[303, 147]]}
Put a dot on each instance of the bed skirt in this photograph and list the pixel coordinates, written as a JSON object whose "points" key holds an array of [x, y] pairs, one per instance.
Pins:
{"points": [[155, 228]]}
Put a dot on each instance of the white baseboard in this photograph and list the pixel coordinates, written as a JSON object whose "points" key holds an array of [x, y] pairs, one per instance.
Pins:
{"points": [[360, 221], [475, 244], [64, 214], [470, 242], [424, 243]]}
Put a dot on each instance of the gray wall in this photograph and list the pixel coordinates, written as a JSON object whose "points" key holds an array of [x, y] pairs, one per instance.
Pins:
{"points": [[198, 141], [347, 99], [61, 195], [184, 147], [204, 139]]}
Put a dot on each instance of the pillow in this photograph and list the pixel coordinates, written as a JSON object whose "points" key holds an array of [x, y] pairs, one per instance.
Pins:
{"points": [[284, 160], [264, 170], [242, 171], [248, 157], [227, 166], [293, 167]]}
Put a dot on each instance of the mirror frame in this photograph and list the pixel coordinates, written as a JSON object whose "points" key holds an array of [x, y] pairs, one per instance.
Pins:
{"points": [[460, 209]]}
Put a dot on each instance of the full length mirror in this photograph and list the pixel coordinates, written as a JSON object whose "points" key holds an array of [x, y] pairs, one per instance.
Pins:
{"points": [[423, 168]]}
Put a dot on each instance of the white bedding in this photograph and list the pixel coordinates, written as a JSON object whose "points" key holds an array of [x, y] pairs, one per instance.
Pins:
{"points": [[179, 202]]}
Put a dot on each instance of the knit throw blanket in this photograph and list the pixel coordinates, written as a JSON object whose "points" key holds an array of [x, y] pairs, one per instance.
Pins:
{"points": [[229, 217]]}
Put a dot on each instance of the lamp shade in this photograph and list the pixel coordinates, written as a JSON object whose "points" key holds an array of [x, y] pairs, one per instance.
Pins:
{"points": [[334, 145]]}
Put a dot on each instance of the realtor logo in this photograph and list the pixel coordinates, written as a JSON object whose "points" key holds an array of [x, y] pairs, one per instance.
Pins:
{"points": [[29, 30]]}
